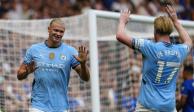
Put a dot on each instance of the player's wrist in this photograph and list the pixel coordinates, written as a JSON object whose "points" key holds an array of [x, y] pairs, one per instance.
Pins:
{"points": [[83, 63], [27, 70], [176, 23], [122, 21]]}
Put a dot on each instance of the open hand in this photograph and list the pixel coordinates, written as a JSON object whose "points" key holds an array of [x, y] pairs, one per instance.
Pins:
{"points": [[124, 17], [171, 12], [83, 54]]}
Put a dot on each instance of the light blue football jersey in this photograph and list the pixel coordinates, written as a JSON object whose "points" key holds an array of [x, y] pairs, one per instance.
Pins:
{"points": [[51, 77], [161, 64]]}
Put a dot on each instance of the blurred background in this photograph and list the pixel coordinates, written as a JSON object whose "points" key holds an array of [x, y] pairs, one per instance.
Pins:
{"points": [[42, 9], [119, 66]]}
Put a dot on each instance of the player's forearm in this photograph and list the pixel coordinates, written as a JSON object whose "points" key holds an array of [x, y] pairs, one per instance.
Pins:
{"points": [[84, 74], [183, 33], [120, 31], [22, 74], [23, 71], [122, 36]]}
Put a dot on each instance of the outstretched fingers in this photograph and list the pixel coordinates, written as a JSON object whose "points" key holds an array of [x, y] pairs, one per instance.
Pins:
{"points": [[171, 12], [124, 17], [125, 11], [82, 49], [83, 52]]}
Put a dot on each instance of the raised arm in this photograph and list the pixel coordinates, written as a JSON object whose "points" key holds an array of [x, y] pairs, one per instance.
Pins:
{"points": [[24, 70], [82, 69], [121, 35], [182, 32]]}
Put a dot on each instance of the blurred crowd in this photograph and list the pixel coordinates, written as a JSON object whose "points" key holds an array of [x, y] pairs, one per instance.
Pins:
{"points": [[120, 75], [42, 9]]}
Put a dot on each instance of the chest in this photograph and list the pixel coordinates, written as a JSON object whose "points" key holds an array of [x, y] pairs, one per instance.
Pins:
{"points": [[52, 58]]}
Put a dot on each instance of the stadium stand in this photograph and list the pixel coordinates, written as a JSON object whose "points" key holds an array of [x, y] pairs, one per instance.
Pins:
{"points": [[16, 96]]}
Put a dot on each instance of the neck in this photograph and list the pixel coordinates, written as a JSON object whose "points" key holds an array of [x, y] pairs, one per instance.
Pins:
{"points": [[163, 38], [51, 44]]}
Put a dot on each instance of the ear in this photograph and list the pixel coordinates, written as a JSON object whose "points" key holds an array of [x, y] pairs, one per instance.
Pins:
{"points": [[49, 29]]}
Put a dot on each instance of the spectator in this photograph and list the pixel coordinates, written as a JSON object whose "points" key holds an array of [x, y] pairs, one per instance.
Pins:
{"points": [[26, 9], [186, 102]]}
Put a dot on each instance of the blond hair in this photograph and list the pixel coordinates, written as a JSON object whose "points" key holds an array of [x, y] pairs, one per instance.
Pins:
{"points": [[56, 20], [163, 25]]}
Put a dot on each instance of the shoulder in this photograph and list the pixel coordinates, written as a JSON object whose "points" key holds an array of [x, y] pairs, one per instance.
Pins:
{"points": [[138, 42], [183, 46], [69, 48], [148, 41], [36, 45], [142, 40]]}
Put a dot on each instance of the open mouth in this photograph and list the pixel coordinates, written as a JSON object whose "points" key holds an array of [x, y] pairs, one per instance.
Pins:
{"points": [[57, 38]]}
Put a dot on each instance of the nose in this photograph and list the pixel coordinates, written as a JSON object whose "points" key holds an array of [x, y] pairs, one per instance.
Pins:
{"points": [[59, 33]]}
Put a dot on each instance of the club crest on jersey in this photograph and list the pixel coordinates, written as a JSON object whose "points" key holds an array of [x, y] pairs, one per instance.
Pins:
{"points": [[51, 56], [63, 57]]}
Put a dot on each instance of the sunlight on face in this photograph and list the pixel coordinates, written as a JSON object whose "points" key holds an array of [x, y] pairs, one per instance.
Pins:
{"points": [[56, 31]]}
